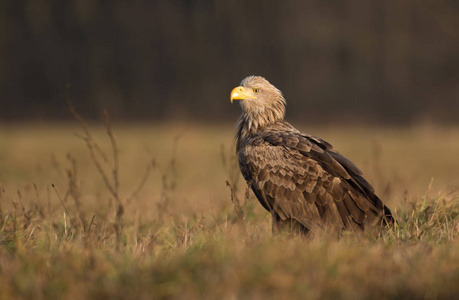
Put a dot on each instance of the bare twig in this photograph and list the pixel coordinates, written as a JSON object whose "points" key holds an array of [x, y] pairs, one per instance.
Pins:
{"points": [[108, 125], [235, 200], [94, 149], [74, 191], [232, 182], [60, 199], [142, 183]]}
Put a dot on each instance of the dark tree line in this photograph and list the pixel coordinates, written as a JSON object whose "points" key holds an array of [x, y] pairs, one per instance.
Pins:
{"points": [[384, 60]]}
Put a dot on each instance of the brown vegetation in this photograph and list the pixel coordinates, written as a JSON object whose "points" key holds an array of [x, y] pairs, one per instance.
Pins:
{"points": [[179, 234]]}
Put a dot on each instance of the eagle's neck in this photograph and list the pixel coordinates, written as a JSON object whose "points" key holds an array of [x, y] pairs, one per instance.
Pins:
{"points": [[252, 122]]}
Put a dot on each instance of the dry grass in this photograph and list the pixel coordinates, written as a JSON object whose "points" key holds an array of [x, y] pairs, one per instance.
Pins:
{"points": [[187, 228]]}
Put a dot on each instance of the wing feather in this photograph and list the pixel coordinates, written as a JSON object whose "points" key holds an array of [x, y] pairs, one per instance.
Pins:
{"points": [[303, 178]]}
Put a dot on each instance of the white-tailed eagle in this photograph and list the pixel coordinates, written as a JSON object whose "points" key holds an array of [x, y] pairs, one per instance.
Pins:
{"points": [[300, 179]]}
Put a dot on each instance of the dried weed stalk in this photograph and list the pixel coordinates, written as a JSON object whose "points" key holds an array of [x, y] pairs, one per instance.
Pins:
{"points": [[110, 179], [233, 175]]}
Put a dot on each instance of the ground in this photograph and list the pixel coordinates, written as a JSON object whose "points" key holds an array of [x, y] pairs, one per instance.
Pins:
{"points": [[172, 218]]}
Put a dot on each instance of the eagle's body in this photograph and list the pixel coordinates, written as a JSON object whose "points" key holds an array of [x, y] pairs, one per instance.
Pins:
{"points": [[300, 179]]}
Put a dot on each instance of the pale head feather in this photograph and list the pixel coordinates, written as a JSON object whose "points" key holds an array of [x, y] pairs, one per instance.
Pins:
{"points": [[266, 108]]}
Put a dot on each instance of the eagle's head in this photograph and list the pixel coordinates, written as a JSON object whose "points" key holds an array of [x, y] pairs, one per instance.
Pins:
{"points": [[261, 101]]}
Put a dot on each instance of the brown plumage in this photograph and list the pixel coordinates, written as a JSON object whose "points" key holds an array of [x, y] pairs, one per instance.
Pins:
{"points": [[300, 179]]}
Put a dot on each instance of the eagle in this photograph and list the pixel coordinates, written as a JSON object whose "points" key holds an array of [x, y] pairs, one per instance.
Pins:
{"points": [[305, 184]]}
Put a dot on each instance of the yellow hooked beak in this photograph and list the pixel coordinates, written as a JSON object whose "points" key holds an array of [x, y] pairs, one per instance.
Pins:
{"points": [[239, 93]]}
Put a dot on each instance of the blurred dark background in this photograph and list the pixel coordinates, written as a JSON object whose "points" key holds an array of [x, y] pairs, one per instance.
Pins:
{"points": [[383, 61]]}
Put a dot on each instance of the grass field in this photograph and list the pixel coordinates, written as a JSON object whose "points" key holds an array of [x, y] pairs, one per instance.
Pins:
{"points": [[161, 222]]}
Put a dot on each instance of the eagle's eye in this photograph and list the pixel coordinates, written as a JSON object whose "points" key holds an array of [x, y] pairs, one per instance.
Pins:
{"points": [[256, 90]]}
